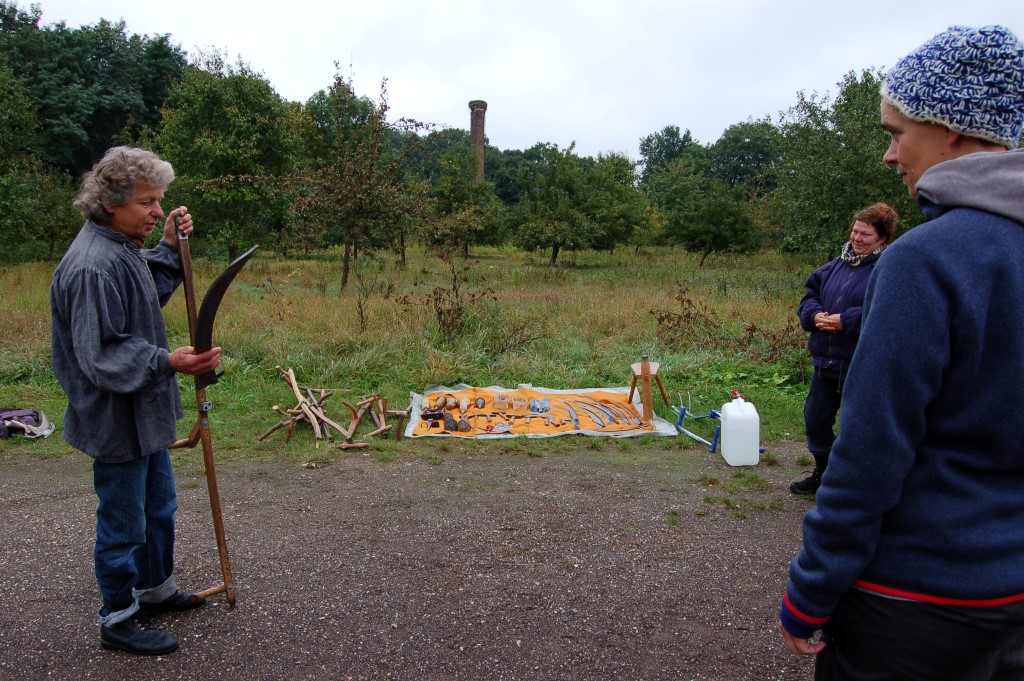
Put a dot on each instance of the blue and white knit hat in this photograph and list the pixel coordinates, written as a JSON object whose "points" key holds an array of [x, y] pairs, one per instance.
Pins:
{"points": [[968, 80]]}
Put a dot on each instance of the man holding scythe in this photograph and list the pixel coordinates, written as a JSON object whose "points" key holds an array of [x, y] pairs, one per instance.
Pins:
{"points": [[111, 356]]}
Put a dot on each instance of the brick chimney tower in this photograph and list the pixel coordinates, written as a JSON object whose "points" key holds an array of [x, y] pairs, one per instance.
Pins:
{"points": [[477, 108]]}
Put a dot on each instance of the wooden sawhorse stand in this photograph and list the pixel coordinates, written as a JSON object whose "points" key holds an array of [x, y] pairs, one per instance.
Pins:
{"points": [[644, 371]]}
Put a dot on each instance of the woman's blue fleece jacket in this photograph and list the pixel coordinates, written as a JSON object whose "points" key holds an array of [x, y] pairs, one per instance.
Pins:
{"points": [[923, 498]]}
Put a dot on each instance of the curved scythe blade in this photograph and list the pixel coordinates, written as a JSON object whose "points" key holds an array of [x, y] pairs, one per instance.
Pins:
{"points": [[208, 312]]}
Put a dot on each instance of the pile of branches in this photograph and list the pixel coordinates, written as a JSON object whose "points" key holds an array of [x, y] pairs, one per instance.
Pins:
{"points": [[310, 409]]}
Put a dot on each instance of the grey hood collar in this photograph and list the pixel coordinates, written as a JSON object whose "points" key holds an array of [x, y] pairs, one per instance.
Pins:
{"points": [[992, 181]]}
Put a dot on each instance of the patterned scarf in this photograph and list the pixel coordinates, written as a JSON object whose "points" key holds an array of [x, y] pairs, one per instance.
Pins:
{"points": [[850, 256]]}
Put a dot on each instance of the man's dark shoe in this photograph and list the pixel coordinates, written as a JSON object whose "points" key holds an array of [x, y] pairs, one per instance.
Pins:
{"points": [[176, 602], [130, 637], [808, 485]]}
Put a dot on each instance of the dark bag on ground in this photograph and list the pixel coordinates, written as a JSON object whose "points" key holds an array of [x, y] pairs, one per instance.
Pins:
{"points": [[25, 422]]}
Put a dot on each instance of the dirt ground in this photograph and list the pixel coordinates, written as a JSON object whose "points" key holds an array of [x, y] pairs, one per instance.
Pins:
{"points": [[574, 565]]}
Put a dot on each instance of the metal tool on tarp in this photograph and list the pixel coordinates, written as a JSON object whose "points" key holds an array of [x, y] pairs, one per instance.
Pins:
{"points": [[200, 328]]}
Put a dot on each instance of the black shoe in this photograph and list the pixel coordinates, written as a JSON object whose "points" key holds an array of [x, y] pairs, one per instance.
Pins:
{"points": [[130, 637], [176, 602], [808, 485]]}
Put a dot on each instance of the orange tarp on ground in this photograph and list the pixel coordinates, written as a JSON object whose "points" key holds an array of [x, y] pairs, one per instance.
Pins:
{"points": [[466, 411]]}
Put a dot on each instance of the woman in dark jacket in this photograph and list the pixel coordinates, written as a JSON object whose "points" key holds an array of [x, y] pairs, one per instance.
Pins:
{"points": [[831, 312]]}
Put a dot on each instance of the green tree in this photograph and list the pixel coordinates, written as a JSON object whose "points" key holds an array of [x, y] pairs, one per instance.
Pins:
{"points": [[671, 191], [92, 87], [615, 205], [833, 167], [553, 214], [424, 155], [702, 213], [354, 182], [747, 154], [659, 149], [508, 170], [128, 80], [718, 222], [44, 61], [37, 215], [17, 117], [231, 140], [37, 205], [342, 120], [465, 210]]}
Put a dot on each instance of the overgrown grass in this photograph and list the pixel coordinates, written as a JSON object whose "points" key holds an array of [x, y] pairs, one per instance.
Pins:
{"points": [[725, 326]]}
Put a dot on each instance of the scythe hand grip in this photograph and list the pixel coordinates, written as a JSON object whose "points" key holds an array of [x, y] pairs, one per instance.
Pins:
{"points": [[185, 254]]}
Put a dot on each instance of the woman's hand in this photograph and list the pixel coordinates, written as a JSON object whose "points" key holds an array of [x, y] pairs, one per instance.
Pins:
{"points": [[829, 323], [800, 646]]}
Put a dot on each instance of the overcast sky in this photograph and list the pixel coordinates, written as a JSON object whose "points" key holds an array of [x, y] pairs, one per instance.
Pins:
{"points": [[602, 73]]}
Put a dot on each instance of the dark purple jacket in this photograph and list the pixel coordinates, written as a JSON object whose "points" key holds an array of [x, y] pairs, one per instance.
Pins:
{"points": [[835, 287]]}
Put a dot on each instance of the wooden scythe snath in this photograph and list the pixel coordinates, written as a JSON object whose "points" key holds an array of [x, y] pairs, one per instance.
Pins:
{"points": [[200, 328]]}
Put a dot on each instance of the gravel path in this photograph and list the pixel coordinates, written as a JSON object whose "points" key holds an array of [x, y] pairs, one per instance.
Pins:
{"points": [[493, 566]]}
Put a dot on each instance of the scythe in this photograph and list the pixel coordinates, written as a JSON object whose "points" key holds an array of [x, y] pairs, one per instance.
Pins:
{"points": [[200, 327]]}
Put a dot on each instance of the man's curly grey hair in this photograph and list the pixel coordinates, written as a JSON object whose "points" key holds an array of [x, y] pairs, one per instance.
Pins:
{"points": [[111, 182]]}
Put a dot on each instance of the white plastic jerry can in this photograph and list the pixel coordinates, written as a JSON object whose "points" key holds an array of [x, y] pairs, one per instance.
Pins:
{"points": [[741, 433]]}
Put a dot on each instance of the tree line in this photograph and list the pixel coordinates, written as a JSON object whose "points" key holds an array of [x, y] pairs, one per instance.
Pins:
{"points": [[339, 172]]}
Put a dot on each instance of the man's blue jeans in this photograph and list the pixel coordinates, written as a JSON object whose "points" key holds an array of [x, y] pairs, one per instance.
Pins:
{"points": [[134, 533]]}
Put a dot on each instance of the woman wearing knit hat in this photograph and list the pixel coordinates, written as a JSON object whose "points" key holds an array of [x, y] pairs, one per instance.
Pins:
{"points": [[913, 557]]}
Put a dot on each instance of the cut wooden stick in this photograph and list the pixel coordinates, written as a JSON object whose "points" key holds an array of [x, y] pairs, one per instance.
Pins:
{"points": [[274, 428], [382, 429]]}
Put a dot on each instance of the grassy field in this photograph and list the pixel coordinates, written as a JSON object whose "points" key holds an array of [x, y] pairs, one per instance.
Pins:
{"points": [[497, 318]]}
